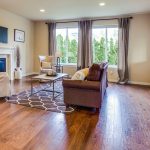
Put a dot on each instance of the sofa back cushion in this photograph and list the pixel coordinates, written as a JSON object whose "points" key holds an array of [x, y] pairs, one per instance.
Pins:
{"points": [[96, 71]]}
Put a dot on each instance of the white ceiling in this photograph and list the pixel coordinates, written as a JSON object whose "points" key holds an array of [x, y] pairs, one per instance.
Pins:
{"points": [[70, 9]]}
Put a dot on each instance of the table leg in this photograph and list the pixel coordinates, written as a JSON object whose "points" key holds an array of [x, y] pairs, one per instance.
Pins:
{"points": [[59, 69], [53, 90], [31, 86]]}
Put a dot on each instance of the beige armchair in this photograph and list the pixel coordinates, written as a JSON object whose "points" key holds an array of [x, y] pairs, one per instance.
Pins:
{"points": [[5, 89], [46, 63]]}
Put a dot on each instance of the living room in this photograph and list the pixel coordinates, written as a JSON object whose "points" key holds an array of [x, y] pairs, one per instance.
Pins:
{"points": [[78, 111]]}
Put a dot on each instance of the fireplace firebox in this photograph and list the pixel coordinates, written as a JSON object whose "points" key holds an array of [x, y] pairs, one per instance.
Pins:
{"points": [[2, 64]]}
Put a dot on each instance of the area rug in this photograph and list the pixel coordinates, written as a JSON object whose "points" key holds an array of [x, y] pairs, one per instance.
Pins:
{"points": [[42, 100]]}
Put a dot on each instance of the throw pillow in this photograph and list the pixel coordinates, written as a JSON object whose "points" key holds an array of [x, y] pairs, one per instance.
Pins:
{"points": [[46, 65], [79, 75], [49, 58], [85, 71], [94, 73]]}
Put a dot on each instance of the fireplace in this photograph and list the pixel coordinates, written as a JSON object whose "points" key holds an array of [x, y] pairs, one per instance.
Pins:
{"points": [[7, 61], [2, 64]]}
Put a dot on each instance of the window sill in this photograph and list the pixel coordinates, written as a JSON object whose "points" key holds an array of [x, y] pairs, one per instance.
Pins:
{"points": [[75, 65], [113, 66], [69, 65]]}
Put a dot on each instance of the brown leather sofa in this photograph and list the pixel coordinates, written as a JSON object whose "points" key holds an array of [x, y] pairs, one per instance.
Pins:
{"points": [[86, 93]]}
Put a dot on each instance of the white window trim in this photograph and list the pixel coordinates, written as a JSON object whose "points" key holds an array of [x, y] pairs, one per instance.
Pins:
{"points": [[68, 64], [107, 27], [66, 28], [113, 66], [75, 64]]}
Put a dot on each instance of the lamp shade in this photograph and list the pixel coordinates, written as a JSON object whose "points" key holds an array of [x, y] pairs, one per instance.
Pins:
{"points": [[58, 54]]}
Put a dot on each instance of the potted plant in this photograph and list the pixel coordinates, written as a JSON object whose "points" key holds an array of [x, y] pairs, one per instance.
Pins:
{"points": [[18, 69]]}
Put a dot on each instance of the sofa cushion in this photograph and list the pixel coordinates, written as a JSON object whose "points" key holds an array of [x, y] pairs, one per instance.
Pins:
{"points": [[94, 73], [91, 85]]}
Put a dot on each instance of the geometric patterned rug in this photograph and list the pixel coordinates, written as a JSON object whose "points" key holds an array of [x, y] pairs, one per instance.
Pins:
{"points": [[42, 100]]}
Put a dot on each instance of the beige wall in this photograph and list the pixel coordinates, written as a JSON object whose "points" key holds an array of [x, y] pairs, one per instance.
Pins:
{"points": [[12, 21], [139, 46], [40, 43], [139, 49], [41, 46]]}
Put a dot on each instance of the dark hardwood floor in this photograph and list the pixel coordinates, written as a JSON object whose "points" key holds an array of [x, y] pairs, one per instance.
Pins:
{"points": [[122, 124]]}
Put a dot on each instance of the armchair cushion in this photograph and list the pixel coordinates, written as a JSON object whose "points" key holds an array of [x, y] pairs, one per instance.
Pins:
{"points": [[45, 70], [82, 84], [46, 65]]}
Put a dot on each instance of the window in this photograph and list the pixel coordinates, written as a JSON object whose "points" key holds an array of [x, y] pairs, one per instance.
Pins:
{"points": [[67, 43], [105, 44]]}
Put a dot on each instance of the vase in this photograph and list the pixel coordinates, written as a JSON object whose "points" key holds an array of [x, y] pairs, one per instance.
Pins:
{"points": [[18, 73]]}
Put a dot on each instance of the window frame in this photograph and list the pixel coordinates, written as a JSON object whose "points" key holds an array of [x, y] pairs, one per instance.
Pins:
{"points": [[66, 28], [93, 27], [106, 36]]}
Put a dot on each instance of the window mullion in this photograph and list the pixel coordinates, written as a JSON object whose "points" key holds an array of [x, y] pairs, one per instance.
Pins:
{"points": [[106, 45], [67, 45]]}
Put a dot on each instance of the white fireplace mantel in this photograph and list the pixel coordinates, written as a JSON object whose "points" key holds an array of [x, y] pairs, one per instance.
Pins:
{"points": [[9, 53]]}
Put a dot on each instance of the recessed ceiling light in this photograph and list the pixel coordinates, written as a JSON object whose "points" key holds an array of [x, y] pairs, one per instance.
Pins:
{"points": [[42, 10], [102, 4]]}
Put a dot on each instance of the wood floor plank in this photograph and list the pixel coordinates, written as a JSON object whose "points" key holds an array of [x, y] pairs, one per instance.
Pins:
{"points": [[122, 124]]}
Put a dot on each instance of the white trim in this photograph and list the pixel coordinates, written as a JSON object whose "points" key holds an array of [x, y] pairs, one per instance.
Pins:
{"points": [[113, 66], [75, 65], [131, 82], [139, 83], [69, 65]]}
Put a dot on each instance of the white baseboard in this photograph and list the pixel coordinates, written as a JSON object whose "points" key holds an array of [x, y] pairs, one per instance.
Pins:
{"points": [[139, 83], [131, 82]]}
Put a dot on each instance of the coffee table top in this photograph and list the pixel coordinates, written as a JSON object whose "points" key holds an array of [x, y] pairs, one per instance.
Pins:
{"points": [[51, 78]]}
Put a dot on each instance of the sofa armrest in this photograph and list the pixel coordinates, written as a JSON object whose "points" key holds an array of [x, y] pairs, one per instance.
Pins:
{"points": [[91, 85]]}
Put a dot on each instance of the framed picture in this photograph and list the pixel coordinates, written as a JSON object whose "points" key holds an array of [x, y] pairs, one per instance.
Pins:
{"points": [[19, 35]]}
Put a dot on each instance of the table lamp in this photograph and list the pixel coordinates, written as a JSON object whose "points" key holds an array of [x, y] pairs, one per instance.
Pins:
{"points": [[58, 54]]}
